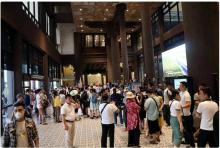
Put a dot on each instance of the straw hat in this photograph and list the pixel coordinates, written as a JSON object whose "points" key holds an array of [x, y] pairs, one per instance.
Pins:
{"points": [[130, 95]]}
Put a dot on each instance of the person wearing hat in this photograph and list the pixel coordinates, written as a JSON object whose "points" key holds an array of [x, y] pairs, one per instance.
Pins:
{"points": [[133, 120], [21, 131]]}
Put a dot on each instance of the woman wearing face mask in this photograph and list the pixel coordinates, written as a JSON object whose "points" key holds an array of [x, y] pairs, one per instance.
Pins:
{"points": [[21, 131]]}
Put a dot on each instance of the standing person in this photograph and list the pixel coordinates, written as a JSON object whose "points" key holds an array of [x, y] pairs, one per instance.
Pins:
{"points": [[57, 105], [161, 119], [187, 117], [166, 109], [152, 109], [142, 111], [93, 104], [117, 98], [68, 114], [62, 97], [40, 108], [85, 103], [107, 111], [133, 120], [21, 131], [206, 110], [176, 118]]}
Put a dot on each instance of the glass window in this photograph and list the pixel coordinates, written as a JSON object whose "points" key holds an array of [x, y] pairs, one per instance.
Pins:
{"points": [[102, 40], [89, 41], [180, 11], [31, 7], [128, 40], [139, 42], [96, 40], [36, 11], [174, 15]]}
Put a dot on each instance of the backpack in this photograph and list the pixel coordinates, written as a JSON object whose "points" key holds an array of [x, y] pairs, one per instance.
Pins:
{"points": [[94, 99]]}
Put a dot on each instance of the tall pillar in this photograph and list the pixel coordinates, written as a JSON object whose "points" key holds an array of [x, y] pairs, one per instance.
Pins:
{"points": [[18, 64], [147, 41], [201, 30], [124, 51], [109, 56], [115, 57], [45, 72]]}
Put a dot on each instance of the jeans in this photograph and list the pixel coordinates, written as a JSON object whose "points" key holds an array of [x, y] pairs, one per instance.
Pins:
{"points": [[107, 129], [206, 137], [120, 116], [188, 130], [166, 114]]}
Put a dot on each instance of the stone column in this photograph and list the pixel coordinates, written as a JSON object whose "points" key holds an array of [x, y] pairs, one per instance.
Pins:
{"points": [[109, 55], [147, 41], [45, 73], [124, 51], [115, 57], [18, 64], [201, 30]]}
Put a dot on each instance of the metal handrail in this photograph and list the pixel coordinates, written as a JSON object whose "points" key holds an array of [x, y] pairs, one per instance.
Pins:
{"points": [[26, 10]]}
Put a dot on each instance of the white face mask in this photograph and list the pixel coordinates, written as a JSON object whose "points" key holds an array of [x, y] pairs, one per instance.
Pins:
{"points": [[19, 115]]}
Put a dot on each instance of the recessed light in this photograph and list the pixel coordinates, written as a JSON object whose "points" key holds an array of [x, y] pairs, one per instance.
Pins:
{"points": [[82, 30], [80, 9], [101, 30], [106, 9], [81, 18], [81, 26], [132, 30], [127, 10], [139, 19], [105, 18]]}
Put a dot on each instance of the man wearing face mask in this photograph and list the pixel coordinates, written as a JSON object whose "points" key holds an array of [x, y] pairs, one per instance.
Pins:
{"points": [[68, 114], [21, 131]]}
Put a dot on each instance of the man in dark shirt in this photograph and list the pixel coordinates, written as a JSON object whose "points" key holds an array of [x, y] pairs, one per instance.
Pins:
{"points": [[117, 98], [216, 128]]}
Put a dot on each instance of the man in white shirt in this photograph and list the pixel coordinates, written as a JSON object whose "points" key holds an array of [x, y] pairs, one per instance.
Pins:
{"points": [[107, 111], [68, 114], [166, 108], [206, 110], [187, 117]]}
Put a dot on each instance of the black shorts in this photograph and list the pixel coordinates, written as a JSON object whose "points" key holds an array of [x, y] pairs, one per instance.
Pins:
{"points": [[153, 126]]}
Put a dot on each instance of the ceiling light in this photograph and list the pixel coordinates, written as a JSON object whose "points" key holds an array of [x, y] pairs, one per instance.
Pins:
{"points": [[105, 19], [132, 30], [127, 10], [106, 9], [101, 30], [81, 18], [139, 19], [80, 9], [81, 26], [82, 30]]}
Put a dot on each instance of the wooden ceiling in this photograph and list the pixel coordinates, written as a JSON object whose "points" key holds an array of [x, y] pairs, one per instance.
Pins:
{"points": [[101, 12], [84, 15]]}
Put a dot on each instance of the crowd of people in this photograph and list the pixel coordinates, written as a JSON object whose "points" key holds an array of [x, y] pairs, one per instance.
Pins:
{"points": [[141, 111]]}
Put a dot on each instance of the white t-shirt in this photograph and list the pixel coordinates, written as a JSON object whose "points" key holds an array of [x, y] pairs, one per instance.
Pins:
{"points": [[174, 107], [207, 109], [108, 113], [185, 96], [68, 111], [38, 99], [166, 98], [21, 134]]}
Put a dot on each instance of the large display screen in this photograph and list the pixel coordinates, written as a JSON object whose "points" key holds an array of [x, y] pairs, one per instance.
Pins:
{"points": [[174, 62], [177, 82]]}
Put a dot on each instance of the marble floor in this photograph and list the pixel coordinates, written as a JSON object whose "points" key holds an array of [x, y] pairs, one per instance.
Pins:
{"points": [[88, 134]]}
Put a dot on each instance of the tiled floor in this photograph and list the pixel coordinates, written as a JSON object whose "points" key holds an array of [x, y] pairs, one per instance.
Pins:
{"points": [[88, 134]]}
